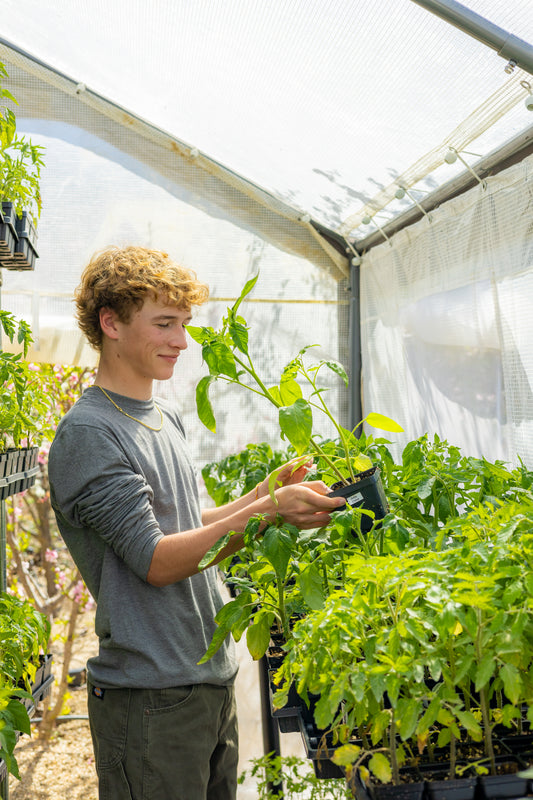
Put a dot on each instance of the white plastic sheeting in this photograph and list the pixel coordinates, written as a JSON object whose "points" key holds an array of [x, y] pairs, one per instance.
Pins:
{"points": [[228, 134], [447, 324], [321, 102]]}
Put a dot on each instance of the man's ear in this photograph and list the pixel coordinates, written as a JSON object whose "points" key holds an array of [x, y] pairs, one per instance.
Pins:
{"points": [[108, 322]]}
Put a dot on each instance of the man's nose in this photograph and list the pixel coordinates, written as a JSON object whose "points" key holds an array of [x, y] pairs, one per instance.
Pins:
{"points": [[179, 339]]}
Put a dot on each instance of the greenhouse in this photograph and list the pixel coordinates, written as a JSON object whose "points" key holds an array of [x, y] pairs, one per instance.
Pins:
{"points": [[353, 182]]}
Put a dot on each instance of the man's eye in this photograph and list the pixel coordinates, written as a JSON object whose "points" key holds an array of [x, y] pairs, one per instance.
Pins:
{"points": [[163, 324]]}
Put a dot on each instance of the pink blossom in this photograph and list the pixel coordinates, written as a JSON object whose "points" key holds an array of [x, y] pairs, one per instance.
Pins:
{"points": [[61, 579], [34, 367], [78, 592], [51, 555]]}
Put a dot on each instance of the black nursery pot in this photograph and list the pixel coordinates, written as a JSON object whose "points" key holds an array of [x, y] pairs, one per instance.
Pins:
{"points": [[8, 234], [365, 492], [17, 239]]}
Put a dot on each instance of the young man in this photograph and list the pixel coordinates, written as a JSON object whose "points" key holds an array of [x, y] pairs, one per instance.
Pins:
{"points": [[125, 495]]}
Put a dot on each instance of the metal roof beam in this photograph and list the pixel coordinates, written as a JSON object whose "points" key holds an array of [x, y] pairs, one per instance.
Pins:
{"points": [[515, 50]]}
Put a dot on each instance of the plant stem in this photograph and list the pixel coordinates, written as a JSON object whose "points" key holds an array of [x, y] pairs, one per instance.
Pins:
{"points": [[265, 393], [282, 610], [489, 748], [393, 754], [323, 406], [485, 712], [453, 755]]}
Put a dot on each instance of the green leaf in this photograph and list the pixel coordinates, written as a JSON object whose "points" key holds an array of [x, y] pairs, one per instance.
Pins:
{"points": [[199, 335], [227, 618], [346, 755], [213, 552], [425, 488], [203, 403], [380, 767], [258, 636], [485, 671], [407, 715], [309, 582], [277, 548], [18, 716], [275, 395], [296, 423], [512, 682], [382, 422], [239, 336], [469, 723], [289, 391], [219, 358], [247, 288], [216, 643], [338, 369]]}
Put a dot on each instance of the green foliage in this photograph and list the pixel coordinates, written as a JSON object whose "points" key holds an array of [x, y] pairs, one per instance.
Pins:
{"points": [[24, 403], [24, 634], [237, 474], [297, 779], [430, 643], [415, 636], [227, 355], [20, 162]]}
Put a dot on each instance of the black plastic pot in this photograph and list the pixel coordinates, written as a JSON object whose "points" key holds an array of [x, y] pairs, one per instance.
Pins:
{"points": [[317, 747], [288, 715], [25, 251], [18, 238], [487, 787], [18, 470], [42, 685], [365, 492], [8, 235]]}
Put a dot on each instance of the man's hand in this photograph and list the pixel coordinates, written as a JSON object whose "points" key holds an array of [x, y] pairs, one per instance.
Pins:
{"points": [[292, 472], [307, 505]]}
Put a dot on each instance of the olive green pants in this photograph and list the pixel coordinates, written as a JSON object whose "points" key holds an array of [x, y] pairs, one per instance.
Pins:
{"points": [[165, 744]]}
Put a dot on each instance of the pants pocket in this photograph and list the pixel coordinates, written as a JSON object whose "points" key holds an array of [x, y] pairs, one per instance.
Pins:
{"points": [[176, 745], [108, 719]]}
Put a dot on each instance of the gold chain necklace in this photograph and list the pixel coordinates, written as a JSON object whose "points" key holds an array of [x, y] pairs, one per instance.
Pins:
{"points": [[150, 427]]}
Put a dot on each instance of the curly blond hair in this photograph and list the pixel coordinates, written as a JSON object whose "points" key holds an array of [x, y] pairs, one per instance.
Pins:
{"points": [[122, 278]]}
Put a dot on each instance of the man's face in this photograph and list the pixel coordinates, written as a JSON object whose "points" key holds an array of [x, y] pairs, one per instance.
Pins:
{"points": [[151, 342]]}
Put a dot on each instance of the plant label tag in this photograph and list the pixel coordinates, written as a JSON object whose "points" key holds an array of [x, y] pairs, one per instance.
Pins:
{"points": [[355, 499]]}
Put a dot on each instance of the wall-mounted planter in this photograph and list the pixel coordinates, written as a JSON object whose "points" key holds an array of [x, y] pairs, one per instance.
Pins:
{"points": [[366, 492], [18, 238], [287, 716], [42, 684], [8, 235], [18, 470]]}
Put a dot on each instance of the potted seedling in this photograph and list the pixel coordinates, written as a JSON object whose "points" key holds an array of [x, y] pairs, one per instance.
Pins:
{"points": [[23, 407], [24, 674], [422, 661], [340, 461], [20, 172]]}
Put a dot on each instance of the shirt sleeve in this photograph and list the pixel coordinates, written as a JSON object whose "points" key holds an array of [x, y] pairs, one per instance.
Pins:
{"points": [[95, 487]]}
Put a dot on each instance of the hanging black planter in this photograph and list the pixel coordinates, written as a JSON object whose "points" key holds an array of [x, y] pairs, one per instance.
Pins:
{"points": [[18, 470], [25, 251], [42, 684], [365, 492], [8, 235], [17, 249]]}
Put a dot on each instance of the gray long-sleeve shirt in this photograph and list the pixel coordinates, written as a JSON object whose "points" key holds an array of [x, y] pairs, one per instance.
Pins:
{"points": [[117, 488]]}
